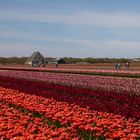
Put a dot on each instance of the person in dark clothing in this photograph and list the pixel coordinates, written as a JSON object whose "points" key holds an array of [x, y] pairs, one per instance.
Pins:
{"points": [[119, 66], [56, 65], [127, 65], [33, 64], [116, 66]]}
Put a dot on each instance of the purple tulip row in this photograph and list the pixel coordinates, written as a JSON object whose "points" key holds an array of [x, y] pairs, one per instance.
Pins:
{"points": [[121, 85]]}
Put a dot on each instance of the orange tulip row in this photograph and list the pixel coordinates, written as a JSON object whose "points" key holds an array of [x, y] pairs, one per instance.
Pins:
{"points": [[47, 118]]}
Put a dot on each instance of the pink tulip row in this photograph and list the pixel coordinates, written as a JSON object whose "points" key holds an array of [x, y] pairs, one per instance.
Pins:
{"points": [[30, 116], [122, 73], [127, 85], [126, 73]]}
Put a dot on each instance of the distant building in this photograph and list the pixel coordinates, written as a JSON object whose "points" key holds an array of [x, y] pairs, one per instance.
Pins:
{"points": [[136, 60], [35, 57], [50, 60], [59, 61]]}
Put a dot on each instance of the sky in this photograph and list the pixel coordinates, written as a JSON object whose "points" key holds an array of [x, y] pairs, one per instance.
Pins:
{"points": [[70, 28]]}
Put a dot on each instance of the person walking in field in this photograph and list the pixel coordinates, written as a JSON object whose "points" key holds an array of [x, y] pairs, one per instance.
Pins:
{"points": [[127, 65], [119, 66], [56, 65], [116, 66]]}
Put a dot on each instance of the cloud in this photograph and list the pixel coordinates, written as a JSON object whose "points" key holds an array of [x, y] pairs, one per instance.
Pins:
{"points": [[21, 35], [79, 48], [122, 44], [119, 32], [97, 19], [2, 27], [15, 49], [84, 18], [13, 34]]}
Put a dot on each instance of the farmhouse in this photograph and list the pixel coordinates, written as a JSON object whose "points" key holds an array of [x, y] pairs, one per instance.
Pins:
{"points": [[60, 61], [35, 57], [50, 60]]}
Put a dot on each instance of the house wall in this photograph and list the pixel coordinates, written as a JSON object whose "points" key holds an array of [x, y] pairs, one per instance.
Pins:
{"points": [[28, 63]]}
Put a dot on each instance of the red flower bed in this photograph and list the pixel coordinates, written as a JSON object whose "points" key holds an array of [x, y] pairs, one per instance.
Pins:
{"points": [[19, 123], [35, 117], [44, 110], [123, 104]]}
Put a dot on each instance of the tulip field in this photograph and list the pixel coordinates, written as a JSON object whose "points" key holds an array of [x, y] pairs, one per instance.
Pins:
{"points": [[116, 73], [65, 106], [120, 84]]}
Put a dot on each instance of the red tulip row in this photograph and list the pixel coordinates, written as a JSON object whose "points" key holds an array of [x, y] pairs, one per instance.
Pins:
{"points": [[107, 101], [126, 85], [18, 123], [26, 116]]}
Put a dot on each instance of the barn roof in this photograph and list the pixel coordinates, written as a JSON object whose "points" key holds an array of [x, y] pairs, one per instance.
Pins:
{"points": [[36, 56]]}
